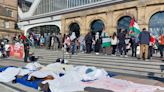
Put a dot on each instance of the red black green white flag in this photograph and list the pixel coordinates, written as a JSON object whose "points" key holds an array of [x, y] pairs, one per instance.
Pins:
{"points": [[134, 28]]}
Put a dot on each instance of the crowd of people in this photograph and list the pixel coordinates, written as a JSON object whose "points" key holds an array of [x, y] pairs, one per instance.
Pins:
{"points": [[4, 48], [143, 45]]}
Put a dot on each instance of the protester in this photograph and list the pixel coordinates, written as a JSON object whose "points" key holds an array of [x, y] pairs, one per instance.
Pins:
{"points": [[2, 49], [151, 46], [144, 40], [161, 44], [7, 49], [26, 47], [67, 43], [82, 43], [59, 36], [88, 42], [128, 44], [114, 41], [106, 42], [26, 51], [97, 43], [42, 41], [53, 42], [121, 44], [47, 41], [73, 43], [134, 44]]}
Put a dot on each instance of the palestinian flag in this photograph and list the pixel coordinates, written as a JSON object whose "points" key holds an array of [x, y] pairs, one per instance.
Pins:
{"points": [[106, 41], [25, 38], [134, 28]]}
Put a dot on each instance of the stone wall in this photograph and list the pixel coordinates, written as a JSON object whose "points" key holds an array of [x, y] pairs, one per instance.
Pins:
{"points": [[8, 5], [141, 10]]}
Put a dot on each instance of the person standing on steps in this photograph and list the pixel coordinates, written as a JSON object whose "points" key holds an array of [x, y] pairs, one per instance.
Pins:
{"points": [[88, 42], [114, 41], [161, 45], [144, 40], [26, 47], [122, 44]]}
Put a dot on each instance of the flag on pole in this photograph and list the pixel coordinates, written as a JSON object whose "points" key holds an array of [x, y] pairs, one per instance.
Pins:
{"points": [[25, 38], [134, 28]]}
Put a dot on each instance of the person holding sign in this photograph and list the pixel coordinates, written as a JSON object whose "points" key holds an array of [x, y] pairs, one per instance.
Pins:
{"points": [[106, 42]]}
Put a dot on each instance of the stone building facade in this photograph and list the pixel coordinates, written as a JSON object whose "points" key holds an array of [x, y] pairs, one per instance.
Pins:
{"points": [[141, 10], [8, 18], [89, 15]]}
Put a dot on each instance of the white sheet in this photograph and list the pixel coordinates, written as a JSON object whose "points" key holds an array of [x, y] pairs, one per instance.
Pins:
{"points": [[58, 68], [93, 75], [24, 72], [118, 85], [34, 66], [42, 74], [71, 82], [9, 74]]}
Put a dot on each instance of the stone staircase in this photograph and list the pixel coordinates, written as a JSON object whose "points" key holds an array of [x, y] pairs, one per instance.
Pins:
{"points": [[121, 65]]}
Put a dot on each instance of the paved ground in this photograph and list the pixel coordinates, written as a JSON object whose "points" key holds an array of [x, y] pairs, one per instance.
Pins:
{"points": [[9, 87]]}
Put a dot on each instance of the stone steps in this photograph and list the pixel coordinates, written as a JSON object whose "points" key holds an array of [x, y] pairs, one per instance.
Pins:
{"points": [[116, 64]]}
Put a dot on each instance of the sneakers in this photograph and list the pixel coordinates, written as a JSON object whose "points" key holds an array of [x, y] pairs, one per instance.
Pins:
{"points": [[66, 53], [97, 53], [113, 55], [121, 56], [126, 56], [146, 60]]}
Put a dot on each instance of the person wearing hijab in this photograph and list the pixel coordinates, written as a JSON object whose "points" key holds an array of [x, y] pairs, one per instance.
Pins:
{"points": [[97, 43]]}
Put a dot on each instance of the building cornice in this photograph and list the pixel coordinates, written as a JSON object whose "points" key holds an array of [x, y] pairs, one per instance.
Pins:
{"points": [[9, 6], [8, 18], [9, 30]]}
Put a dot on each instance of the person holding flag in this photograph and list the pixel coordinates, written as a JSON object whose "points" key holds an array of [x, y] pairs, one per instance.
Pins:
{"points": [[134, 33], [26, 46]]}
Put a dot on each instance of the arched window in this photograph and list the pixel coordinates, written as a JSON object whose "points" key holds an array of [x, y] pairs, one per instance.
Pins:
{"points": [[74, 27], [156, 24], [124, 23], [97, 26]]}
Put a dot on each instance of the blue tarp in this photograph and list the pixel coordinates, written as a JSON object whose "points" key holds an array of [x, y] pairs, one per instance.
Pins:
{"points": [[32, 84]]}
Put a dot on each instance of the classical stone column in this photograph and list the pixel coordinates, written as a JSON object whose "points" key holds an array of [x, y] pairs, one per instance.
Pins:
{"points": [[63, 26], [83, 30], [110, 28], [141, 12]]}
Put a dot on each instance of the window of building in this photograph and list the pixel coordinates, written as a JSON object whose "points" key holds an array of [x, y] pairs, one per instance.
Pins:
{"points": [[156, 24], [6, 24], [9, 13], [124, 23], [74, 27], [97, 26]]}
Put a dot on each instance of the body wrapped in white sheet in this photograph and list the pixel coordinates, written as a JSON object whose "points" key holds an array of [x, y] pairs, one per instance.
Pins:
{"points": [[9, 74]]}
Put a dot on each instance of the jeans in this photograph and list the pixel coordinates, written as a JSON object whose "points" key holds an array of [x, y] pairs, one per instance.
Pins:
{"points": [[114, 49], [161, 48], [150, 52], [73, 48], [134, 50], [81, 47], [122, 48]]}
